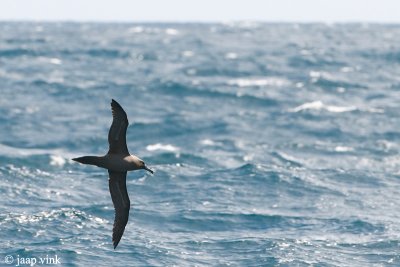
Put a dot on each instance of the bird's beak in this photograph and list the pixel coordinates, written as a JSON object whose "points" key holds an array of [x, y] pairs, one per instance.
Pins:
{"points": [[147, 169]]}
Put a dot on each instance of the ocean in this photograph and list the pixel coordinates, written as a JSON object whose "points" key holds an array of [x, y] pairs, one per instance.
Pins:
{"points": [[272, 144]]}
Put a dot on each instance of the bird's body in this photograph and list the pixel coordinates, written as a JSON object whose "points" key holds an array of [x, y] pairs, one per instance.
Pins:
{"points": [[117, 161], [113, 162]]}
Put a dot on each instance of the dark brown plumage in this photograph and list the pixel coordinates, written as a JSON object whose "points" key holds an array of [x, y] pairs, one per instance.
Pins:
{"points": [[117, 161], [122, 204], [117, 132]]}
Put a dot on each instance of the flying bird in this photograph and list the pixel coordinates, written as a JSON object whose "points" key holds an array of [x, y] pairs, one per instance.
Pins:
{"points": [[118, 162]]}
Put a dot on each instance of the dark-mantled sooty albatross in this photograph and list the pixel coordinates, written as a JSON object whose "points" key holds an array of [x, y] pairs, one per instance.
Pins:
{"points": [[118, 162]]}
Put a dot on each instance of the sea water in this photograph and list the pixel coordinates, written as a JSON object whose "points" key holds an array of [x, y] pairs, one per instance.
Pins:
{"points": [[272, 144]]}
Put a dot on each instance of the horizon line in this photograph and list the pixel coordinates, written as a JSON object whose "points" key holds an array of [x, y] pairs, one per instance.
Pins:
{"points": [[199, 21]]}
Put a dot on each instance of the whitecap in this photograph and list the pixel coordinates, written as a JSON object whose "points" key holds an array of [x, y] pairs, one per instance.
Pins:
{"points": [[207, 142], [311, 105], [188, 53], [347, 69], [319, 105], [339, 109], [55, 61], [288, 157], [269, 81], [137, 29], [171, 31], [39, 233], [343, 149], [305, 52], [341, 90], [56, 160], [24, 171], [195, 82], [248, 157], [231, 55], [69, 213], [246, 24], [160, 146], [315, 74]]}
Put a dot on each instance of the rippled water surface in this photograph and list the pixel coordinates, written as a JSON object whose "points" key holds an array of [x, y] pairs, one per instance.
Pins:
{"points": [[272, 144]]}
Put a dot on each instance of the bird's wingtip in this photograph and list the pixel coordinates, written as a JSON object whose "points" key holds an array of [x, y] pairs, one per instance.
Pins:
{"points": [[115, 103]]}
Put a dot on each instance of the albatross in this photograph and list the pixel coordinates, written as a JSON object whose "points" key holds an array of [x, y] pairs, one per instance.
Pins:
{"points": [[118, 161]]}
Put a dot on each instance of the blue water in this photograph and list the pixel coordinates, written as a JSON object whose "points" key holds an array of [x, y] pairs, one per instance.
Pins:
{"points": [[272, 144]]}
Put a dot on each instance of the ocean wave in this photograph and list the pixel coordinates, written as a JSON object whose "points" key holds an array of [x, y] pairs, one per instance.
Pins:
{"points": [[319, 105], [328, 80], [188, 90], [18, 52], [10, 151], [26, 40], [302, 61], [280, 149], [95, 53], [65, 216], [262, 82], [162, 147], [218, 221]]}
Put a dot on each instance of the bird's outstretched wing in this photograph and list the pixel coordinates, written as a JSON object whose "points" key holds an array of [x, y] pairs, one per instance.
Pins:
{"points": [[120, 198], [117, 133]]}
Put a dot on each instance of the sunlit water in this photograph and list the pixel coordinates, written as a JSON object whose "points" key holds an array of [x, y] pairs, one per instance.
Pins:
{"points": [[272, 144]]}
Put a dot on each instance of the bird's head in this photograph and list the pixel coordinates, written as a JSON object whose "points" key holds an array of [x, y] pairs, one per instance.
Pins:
{"points": [[138, 164], [144, 167]]}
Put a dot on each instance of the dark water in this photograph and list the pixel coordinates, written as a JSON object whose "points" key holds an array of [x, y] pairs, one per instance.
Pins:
{"points": [[272, 144]]}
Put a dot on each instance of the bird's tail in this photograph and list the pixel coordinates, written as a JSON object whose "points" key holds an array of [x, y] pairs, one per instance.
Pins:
{"points": [[91, 160]]}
